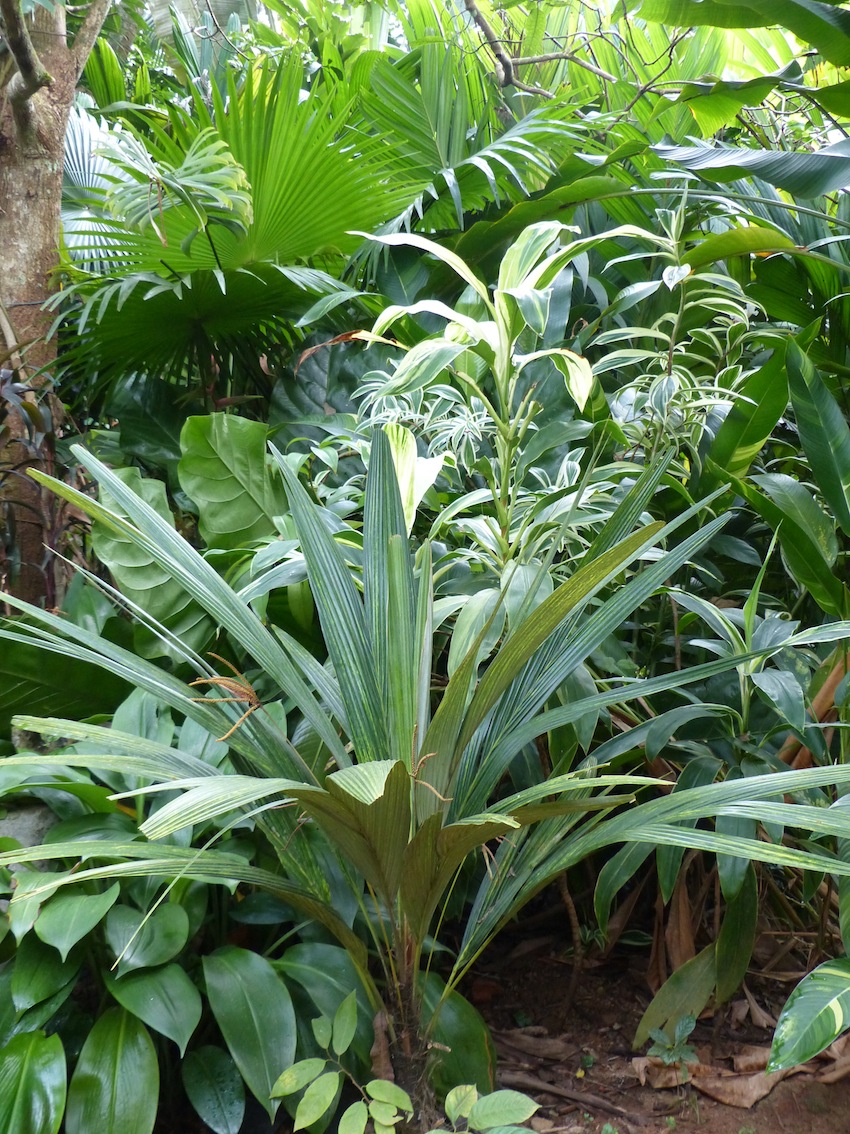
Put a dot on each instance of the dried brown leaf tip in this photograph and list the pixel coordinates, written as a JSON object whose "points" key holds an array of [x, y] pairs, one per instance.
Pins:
{"points": [[240, 689]]}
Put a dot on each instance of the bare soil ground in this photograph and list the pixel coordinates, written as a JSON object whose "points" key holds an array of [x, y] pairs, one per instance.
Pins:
{"points": [[576, 1058]]}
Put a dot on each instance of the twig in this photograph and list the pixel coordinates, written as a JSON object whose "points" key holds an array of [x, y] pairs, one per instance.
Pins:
{"points": [[570, 57], [531, 1083], [578, 950]]}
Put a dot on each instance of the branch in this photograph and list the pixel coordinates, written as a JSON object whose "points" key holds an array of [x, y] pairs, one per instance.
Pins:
{"points": [[31, 76], [504, 66], [571, 57], [85, 38], [506, 76]]}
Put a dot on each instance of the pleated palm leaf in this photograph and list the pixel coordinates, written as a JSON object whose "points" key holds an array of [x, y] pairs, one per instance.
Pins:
{"points": [[188, 296]]}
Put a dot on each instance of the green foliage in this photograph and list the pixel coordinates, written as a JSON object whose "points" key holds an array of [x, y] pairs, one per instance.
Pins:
{"points": [[674, 1049], [570, 353], [814, 1016]]}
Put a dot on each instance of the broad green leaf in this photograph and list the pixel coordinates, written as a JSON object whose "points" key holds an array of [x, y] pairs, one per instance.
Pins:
{"points": [[40, 973], [459, 1102], [749, 423], [782, 690], [750, 241], [577, 373], [140, 941], [115, 1085], [354, 1119], [823, 431], [322, 1031], [226, 471], [685, 993], [533, 304], [318, 1099], [386, 1092], [327, 974], [215, 1088], [32, 1084], [296, 1077], [826, 26], [35, 681], [806, 536], [384, 1115], [798, 172], [165, 999], [141, 579], [450, 258], [67, 918], [501, 1108], [422, 365], [526, 251], [817, 1012], [466, 1054], [345, 1024], [254, 1011]]}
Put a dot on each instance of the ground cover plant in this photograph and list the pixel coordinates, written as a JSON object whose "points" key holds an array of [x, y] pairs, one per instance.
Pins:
{"points": [[423, 563]]}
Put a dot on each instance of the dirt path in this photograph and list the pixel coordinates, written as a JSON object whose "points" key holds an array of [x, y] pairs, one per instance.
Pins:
{"points": [[579, 1064]]}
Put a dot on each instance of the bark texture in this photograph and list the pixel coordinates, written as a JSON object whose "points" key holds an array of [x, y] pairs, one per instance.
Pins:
{"points": [[40, 74]]}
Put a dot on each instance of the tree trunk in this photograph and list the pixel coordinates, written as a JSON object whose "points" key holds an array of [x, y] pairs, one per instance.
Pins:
{"points": [[32, 135]]}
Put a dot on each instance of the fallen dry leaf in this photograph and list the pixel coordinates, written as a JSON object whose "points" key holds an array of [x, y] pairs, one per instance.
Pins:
{"points": [[750, 1058], [760, 1017], [732, 1089], [660, 1076]]}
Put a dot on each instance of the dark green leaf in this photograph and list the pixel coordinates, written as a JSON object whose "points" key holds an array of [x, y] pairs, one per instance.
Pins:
{"points": [[823, 431], [68, 917], [115, 1085], [215, 1088], [254, 1011], [140, 941], [226, 471], [165, 999], [32, 1084], [40, 973]]}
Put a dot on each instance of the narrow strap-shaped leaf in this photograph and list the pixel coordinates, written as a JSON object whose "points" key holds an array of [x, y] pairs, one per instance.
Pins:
{"points": [[141, 860], [534, 631], [749, 423], [343, 623], [199, 579], [388, 595], [630, 509], [823, 431]]}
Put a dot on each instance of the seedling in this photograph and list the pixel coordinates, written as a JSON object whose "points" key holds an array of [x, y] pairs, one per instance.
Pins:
{"points": [[675, 1052]]}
